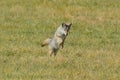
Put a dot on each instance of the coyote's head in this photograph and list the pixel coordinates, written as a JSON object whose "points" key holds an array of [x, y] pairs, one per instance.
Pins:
{"points": [[66, 27]]}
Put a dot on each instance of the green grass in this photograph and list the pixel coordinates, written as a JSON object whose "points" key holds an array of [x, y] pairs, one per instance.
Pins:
{"points": [[91, 51]]}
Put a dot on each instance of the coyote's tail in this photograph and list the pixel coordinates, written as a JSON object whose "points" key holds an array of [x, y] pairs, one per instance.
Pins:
{"points": [[46, 42]]}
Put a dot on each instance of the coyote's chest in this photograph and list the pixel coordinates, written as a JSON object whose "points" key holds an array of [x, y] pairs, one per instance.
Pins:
{"points": [[59, 39]]}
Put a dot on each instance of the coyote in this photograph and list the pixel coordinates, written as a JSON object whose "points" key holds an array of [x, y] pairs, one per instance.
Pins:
{"points": [[58, 39]]}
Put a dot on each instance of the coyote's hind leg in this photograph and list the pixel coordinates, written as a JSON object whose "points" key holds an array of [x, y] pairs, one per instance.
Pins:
{"points": [[51, 51]]}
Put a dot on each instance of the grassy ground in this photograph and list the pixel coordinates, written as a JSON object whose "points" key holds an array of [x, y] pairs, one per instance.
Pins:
{"points": [[91, 51]]}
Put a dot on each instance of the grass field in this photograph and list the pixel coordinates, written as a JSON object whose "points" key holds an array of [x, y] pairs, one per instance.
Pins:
{"points": [[91, 51]]}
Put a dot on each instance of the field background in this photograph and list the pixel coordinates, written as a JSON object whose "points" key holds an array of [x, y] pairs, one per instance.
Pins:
{"points": [[91, 51]]}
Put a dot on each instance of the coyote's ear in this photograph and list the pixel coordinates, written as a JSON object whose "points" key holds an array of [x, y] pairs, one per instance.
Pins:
{"points": [[70, 24], [63, 24]]}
